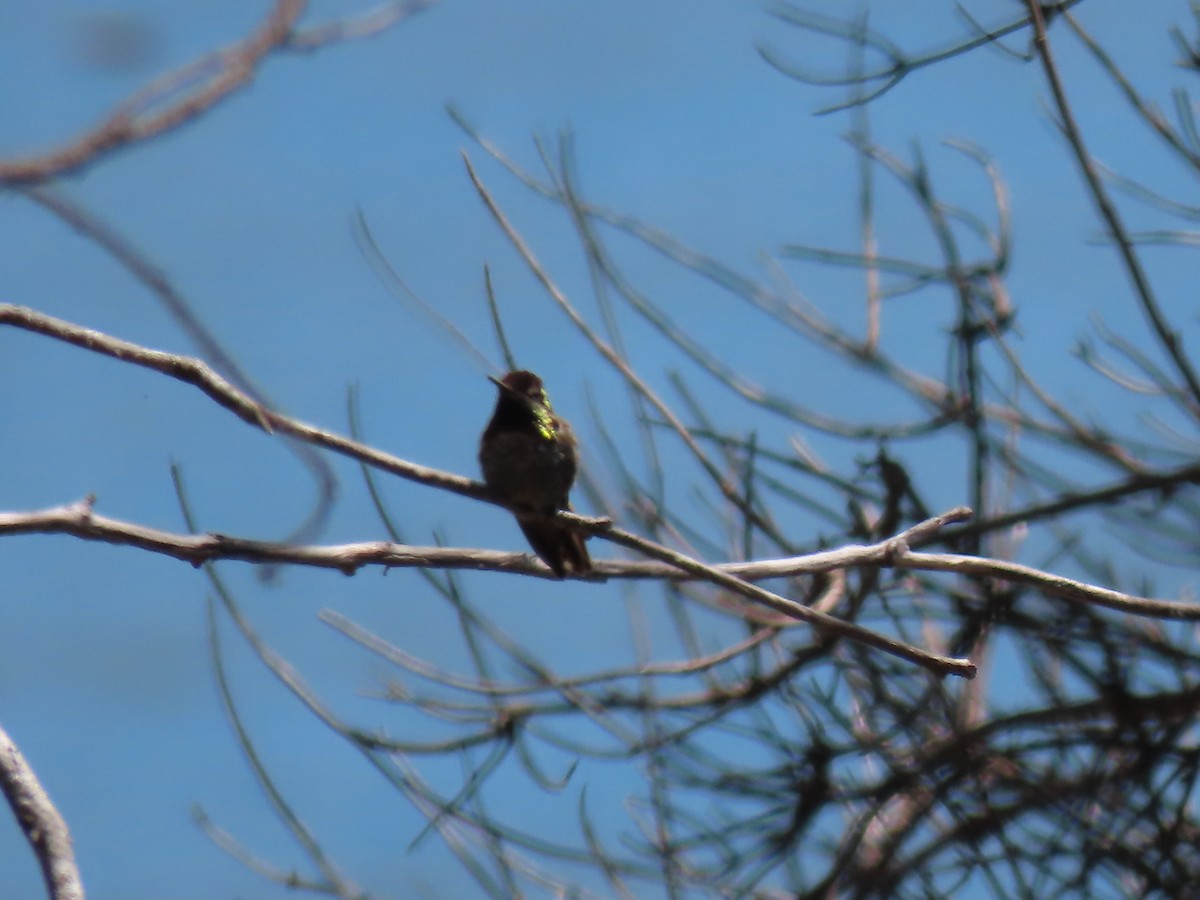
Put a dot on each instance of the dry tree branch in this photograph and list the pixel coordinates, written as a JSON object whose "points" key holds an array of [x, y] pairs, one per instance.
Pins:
{"points": [[220, 74], [1072, 430], [265, 870], [926, 807], [399, 288], [935, 663], [1167, 337], [493, 688], [799, 317], [79, 520], [1147, 111], [457, 827], [44, 826], [179, 96], [333, 882], [368, 24], [899, 64], [82, 521], [181, 311], [196, 372], [606, 350], [1068, 501]]}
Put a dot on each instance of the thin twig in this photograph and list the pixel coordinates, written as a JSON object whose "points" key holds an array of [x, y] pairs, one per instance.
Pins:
{"points": [[1167, 336]]}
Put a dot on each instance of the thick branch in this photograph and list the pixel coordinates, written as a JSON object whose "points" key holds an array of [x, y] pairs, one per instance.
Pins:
{"points": [[81, 521], [43, 825]]}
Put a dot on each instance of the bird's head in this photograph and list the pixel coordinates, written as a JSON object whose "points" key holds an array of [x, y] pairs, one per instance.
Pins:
{"points": [[525, 386]]}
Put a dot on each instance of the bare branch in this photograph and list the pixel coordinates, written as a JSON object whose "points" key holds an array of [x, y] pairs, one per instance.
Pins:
{"points": [[196, 372], [205, 82], [1168, 337], [41, 821]]}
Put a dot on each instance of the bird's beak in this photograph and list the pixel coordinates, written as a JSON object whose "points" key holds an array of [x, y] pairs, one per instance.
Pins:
{"points": [[504, 388], [513, 393]]}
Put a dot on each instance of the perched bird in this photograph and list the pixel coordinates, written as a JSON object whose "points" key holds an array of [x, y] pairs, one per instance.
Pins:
{"points": [[528, 457]]}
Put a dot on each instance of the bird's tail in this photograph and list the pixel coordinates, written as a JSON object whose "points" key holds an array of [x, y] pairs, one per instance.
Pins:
{"points": [[562, 549]]}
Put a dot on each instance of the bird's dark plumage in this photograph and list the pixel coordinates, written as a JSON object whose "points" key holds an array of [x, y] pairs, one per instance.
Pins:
{"points": [[528, 457]]}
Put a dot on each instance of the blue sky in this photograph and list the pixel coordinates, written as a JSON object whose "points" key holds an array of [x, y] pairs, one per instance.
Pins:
{"points": [[104, 675]]}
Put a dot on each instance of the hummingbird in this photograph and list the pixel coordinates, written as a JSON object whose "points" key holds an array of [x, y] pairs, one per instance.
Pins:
{"points": [[528, 456]]}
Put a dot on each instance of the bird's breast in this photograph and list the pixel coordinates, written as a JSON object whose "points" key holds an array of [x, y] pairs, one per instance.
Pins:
{"points": [[529, 469]]}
